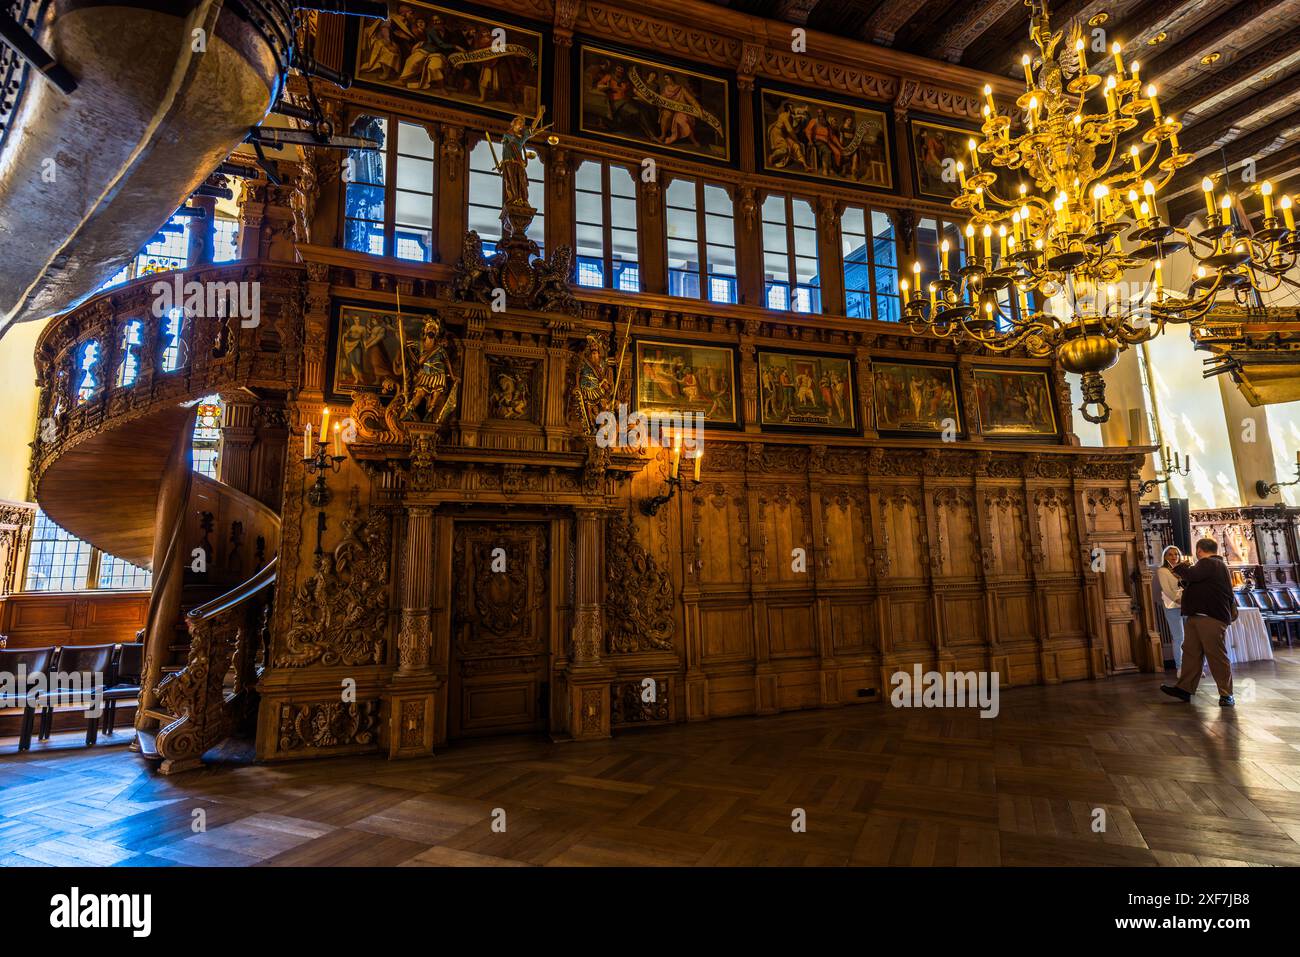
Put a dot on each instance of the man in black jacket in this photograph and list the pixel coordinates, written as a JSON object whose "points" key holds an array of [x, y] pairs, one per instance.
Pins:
{"points": [[1209, 607]]}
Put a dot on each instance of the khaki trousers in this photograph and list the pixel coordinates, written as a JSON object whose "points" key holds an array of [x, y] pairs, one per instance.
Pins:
{"points": [[1205, 639]]}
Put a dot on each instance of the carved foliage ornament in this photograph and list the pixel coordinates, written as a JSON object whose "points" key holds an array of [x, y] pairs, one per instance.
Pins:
{"points": [[639, 596], [327, 724], [339, 615]]}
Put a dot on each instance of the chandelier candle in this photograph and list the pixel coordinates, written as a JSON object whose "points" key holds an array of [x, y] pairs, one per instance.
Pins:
{"points": [[1071, 180]]}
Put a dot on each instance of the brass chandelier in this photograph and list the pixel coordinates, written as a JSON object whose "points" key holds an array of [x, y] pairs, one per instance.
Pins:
{"points": [[1079, 228]]}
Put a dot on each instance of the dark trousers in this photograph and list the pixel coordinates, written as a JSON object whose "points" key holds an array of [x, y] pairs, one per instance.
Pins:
{"points": [[1205, 639]]}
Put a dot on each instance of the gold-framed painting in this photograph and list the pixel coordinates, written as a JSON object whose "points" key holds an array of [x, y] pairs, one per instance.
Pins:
{"points": [[677, 377], [1015, 402], [825, 140], [654, 104], [911, 397], [452, 55], [366, 349], [936, 151], [800, 390]]}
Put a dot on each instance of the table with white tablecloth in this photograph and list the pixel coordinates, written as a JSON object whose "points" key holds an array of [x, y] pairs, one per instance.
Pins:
{"points": [[1247, 638]]}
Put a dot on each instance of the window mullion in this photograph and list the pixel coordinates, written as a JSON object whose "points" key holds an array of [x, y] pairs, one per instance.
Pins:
{"points": [[390, 187], [701, 226], [606, 225]]}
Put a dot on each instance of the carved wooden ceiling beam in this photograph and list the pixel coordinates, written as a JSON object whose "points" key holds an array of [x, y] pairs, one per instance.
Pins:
{"points": [[980, 17], [1209, 37], [793, 11], [883, 25], [1223, 127], [1254, 146], [1272, 54]]}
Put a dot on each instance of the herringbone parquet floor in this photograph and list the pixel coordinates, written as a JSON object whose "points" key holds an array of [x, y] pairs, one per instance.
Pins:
{"points": [[1179, 785]]}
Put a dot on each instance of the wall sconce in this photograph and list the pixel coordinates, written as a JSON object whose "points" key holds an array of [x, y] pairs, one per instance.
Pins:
{"points": [[1265, 489], [650, 506], [319, 464], [1178, 469]]}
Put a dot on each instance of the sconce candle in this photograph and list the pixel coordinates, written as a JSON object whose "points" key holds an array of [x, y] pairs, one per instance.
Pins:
{"points": [[306, 442], [338, 440]]}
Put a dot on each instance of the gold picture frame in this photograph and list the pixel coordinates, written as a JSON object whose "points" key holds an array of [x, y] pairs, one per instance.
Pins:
{"points": [[451, 55], [676, 377], [653, 103], [1015, 402], [839, 142]]}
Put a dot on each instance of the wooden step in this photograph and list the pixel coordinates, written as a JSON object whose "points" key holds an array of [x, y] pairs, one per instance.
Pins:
{"points": [[145, 744]]}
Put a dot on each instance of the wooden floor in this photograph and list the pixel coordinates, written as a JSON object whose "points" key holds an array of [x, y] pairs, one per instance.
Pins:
{"points": [[1179, 784]]}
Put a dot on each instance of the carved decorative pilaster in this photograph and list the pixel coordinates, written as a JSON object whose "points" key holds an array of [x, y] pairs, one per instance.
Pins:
{"points": [[415, 639]]}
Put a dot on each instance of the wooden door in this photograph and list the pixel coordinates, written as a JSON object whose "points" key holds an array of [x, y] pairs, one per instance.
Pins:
{"points": [[499, 643]]}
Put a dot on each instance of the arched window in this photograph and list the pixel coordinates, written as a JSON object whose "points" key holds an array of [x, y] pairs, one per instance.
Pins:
{"points": [[606, 227], [485, 197], [701, 241], [389, 198], [790, 278]]}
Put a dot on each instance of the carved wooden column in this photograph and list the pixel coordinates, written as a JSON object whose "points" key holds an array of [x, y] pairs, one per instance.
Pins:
{"points": [[749, 245], [199, 233], [866, 392], [652, 233], [561, 227], [237, 435], [412, 697], [745, 107], [966, 386], [749, 376], [414, 639], [588, 676], [252, 203], [453, 190], [555, 407], [473, 384], [566, 14], [830, 256]]}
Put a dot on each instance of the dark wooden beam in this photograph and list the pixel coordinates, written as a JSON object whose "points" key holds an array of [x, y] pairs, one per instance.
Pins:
{"points": [[1255, 146], [1241, 70], [977, 20], [887, 20], [1209, 37], [793, 11], [1221, 127]]}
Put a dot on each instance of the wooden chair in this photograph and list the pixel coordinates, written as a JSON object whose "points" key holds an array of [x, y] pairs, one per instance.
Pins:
{"points": [[33, 662], [124, 683], [1274, 621], [1288, 608], [65, 691]]}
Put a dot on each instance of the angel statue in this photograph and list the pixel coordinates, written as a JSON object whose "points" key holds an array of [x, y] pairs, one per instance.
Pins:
{"points": [[594, 391], [435, 386]]}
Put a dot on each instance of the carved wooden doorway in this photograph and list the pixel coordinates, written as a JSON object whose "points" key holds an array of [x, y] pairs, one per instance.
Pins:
{"points": [[499, 665]]}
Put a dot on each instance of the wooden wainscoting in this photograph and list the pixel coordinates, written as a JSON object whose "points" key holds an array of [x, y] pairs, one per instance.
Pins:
{"points": [[35, 619]]}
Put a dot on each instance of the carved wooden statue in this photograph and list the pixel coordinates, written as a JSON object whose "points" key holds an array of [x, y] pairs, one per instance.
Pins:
{"points": [[435, 386], [594, 391]]}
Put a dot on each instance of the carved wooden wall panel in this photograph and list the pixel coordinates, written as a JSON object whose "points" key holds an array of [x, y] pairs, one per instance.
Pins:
{"points": [[784, 524], [1006, 517], [903, 539], [791, 632], [846, 535], [957, 545], [720, 519]]}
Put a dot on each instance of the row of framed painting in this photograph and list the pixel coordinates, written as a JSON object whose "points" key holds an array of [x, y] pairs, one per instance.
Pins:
{"points": [[487, 64], [798, 391]]}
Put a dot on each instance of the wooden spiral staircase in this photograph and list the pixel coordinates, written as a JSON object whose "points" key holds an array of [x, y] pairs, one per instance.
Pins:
{"points": [[112, 464]]}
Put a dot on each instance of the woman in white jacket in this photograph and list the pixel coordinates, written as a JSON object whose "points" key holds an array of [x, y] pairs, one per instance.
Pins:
{"points": [[1171, 596]]}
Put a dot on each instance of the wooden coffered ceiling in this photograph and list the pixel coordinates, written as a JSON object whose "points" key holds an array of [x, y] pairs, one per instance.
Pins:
{"points": [[1238, 106]]}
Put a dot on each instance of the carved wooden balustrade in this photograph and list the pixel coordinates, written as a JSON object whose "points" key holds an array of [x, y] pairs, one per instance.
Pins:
{"points": [[120, 377], [122, 355], [205, 701]]}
